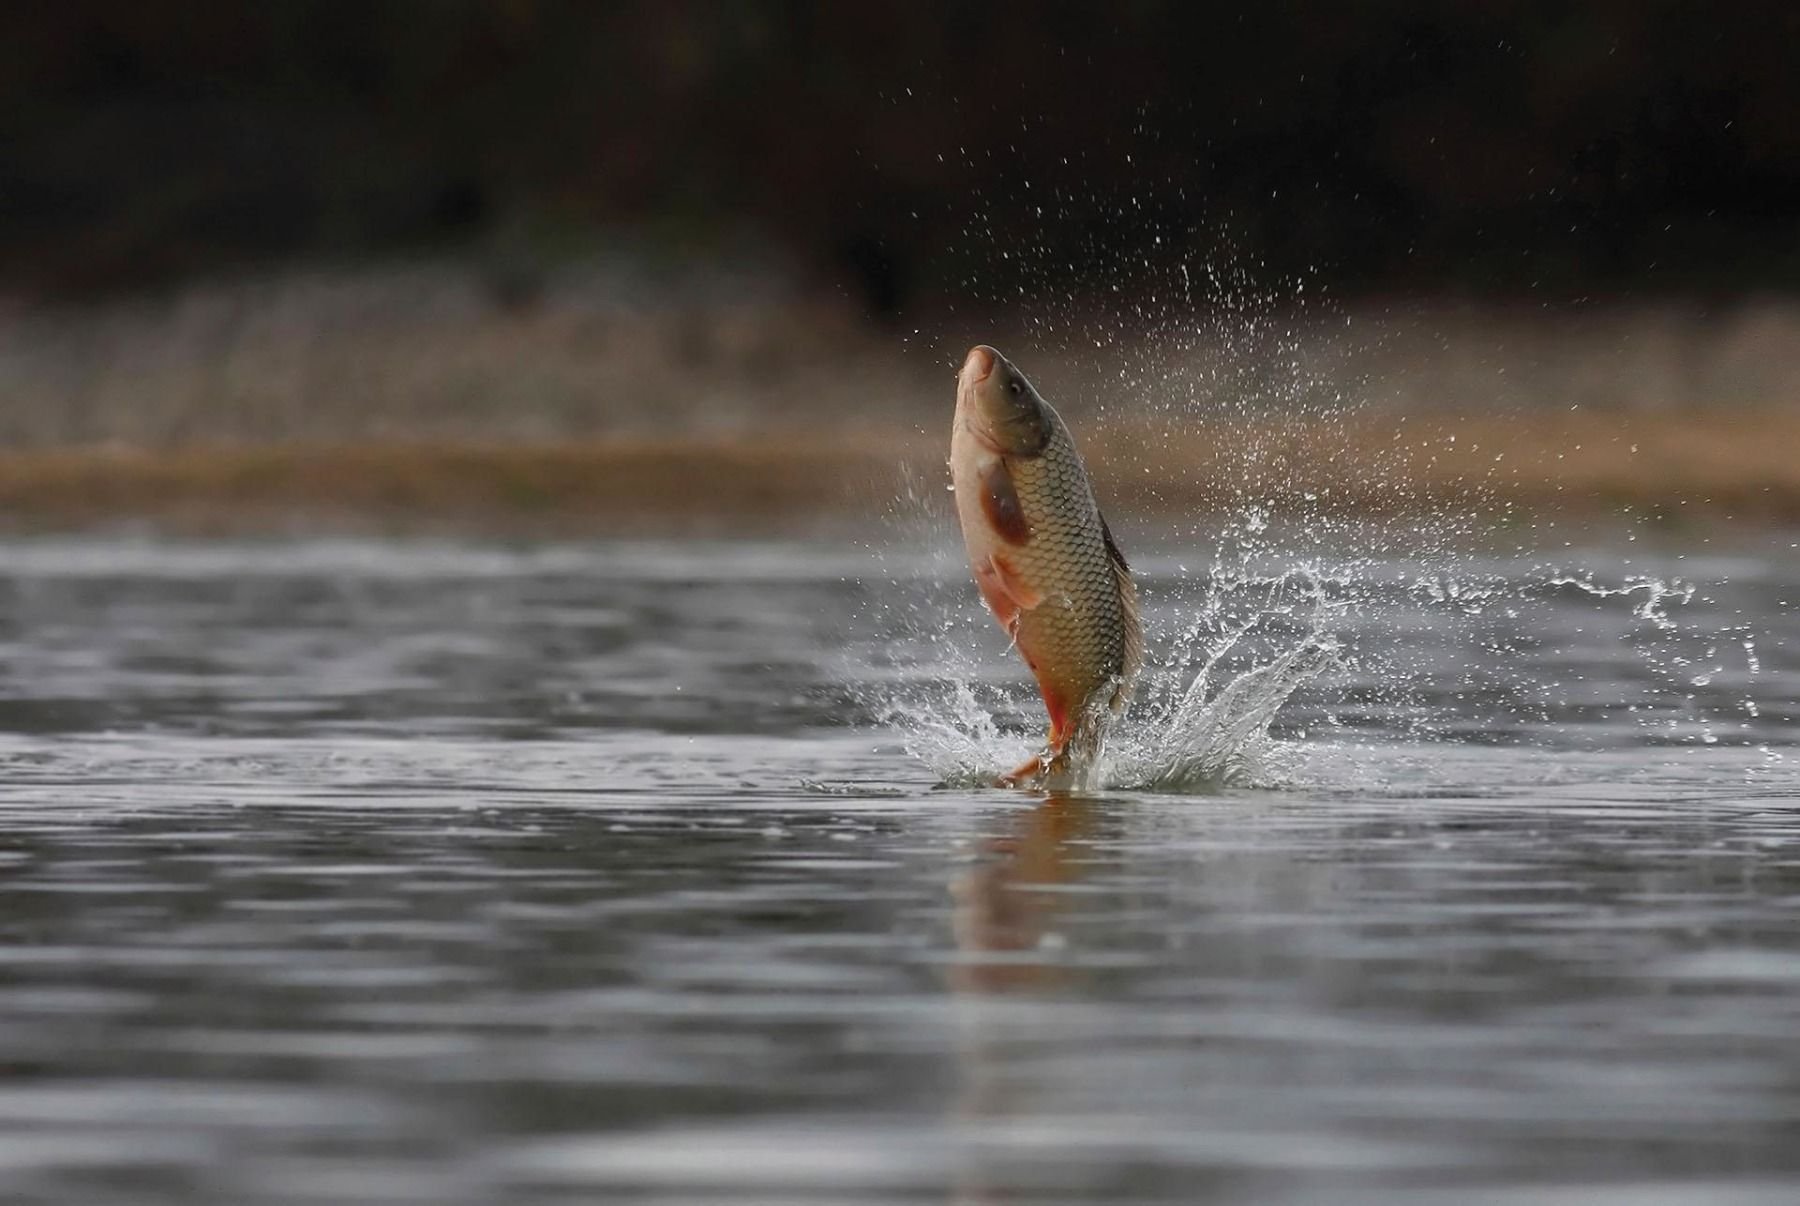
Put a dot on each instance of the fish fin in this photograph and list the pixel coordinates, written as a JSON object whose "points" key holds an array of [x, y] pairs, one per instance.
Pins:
{"points": [[1131, 617], [1004, 593], [993, 592], [1000, 503], [1112, 548], [1021, 774], [1016, 588], [1058, 708]]}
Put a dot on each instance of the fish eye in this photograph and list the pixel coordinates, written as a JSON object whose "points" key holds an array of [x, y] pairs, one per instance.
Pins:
{"points": [[1014, 388]]}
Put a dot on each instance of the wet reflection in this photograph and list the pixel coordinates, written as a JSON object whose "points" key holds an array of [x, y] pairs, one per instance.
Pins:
{"points": [[272, 889], [1005, 922], [1004, 915]]}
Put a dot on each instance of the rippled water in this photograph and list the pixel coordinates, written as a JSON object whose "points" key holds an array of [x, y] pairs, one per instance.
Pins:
{"points": [[425, 873]]}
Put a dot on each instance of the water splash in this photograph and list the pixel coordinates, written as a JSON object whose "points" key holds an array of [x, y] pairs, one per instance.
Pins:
{"points": [[1263, 661], [1655, 591], [1212, 686], [1200, 725], [1312, 621]]}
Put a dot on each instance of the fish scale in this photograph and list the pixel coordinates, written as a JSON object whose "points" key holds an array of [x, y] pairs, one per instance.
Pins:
{"points": [[1080, 628], [1042, 553]]}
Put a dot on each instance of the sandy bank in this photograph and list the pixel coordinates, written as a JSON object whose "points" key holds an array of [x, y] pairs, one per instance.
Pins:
{"points": [[1663, 467]]}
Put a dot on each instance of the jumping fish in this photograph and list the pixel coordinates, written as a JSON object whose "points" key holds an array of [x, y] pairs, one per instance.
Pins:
{"points": [[1044, 560]]}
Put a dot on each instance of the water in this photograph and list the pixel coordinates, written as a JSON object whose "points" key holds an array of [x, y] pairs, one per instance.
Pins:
{"points": [[422, 873]]}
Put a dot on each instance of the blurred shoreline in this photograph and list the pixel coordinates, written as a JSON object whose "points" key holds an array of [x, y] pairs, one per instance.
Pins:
{"points": [[625, 394], [1664, 471]]}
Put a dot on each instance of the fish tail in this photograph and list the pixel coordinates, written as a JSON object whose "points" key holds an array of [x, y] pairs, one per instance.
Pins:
{"points": [[1069, 752], [1075, 749]]}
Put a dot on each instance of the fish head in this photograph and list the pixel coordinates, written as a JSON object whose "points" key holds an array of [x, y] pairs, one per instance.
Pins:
{"points": [[999, 406]]}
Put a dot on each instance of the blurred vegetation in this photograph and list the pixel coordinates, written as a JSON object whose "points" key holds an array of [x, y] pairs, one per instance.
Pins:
{"points": [[1608, 145], [427, 262]]}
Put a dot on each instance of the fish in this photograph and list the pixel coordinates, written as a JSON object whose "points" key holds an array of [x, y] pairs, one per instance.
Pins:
{"points": [[1045, 562]]}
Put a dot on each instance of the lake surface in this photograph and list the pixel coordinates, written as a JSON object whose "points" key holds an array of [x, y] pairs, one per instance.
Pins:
{"points": [[429, 873]]}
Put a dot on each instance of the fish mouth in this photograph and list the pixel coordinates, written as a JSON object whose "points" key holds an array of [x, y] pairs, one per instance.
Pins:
{"points": [[977, 367], [979, 364], [969, 419], [998, 406]]}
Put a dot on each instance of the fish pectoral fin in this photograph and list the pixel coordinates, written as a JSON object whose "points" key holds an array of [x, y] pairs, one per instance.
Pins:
{"points": [[1000, 503], [994, 594], [1016, 588], [1005, 592]]}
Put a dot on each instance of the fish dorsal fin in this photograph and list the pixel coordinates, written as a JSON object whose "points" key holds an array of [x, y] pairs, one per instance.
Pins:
{"points": [[1112, 548], [1129, 613]]}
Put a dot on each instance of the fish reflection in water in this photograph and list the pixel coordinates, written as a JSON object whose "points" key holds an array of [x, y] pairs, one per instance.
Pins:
{"points": [[397, 874], [1006, 909], [1004, 912]]}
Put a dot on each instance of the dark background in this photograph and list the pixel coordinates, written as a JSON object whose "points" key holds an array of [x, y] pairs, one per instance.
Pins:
{"points": [[1615, 145]]}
